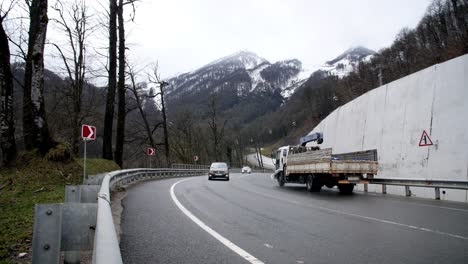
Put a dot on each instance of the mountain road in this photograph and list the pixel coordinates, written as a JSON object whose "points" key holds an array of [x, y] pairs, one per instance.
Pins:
{"points": [[250, 219]]}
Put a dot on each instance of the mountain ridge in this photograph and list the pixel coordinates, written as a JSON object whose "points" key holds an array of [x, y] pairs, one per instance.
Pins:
{"points": [[248, 86], [345, 63]]}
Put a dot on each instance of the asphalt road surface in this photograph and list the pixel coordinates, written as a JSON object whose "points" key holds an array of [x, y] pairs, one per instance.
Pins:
{"points": [[251, 220]]}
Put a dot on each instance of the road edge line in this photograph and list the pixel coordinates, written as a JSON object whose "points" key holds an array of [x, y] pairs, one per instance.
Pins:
{"points": [[236, 249]]}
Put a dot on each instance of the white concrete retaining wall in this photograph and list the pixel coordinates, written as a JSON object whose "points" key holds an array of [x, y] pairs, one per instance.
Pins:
{"points": [[392, 119]]}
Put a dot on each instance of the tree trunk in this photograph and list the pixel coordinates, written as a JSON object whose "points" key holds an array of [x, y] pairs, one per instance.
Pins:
{"points": [[166, 140], [73, 23], [7, 122], [76, 122], [35, 129], [142, 112], [119, 144], [112, 83], [80, 72]]}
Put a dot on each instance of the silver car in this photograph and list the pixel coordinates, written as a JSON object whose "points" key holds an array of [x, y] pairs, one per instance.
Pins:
{"points": [[246, 169], [218, 170]]}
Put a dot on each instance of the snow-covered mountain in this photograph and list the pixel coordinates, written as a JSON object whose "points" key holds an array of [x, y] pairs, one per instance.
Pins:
{"points": [[248, 86], [342, 65], [243, 72]]}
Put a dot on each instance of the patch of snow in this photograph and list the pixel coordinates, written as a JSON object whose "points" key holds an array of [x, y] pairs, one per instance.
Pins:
{"points": [[297, 81], [340, 68], [248, 59], [289, 90], [256, 77], [368, 58]]}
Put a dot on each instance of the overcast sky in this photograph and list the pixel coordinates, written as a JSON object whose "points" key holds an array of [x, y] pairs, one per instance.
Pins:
{"points": [[183, 35], [186, 34]]}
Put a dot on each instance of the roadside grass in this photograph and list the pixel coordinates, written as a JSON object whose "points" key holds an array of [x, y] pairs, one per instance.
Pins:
{"points": [[35, 180]]}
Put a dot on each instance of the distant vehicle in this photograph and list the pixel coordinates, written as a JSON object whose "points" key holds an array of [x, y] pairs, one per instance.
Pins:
{"points": [[218, 170], [246, 169], [317, 168]]}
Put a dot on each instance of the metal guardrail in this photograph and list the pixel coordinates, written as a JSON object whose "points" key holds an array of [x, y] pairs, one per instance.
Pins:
{"points": [[189, 166], [84, 222], [407, 183]]}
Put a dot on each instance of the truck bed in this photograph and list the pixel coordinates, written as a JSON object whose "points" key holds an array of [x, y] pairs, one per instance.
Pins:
{"points": [[322, 161]]}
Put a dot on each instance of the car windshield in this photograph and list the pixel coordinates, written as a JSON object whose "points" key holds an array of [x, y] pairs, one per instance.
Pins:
{"points": [[219, 166]]}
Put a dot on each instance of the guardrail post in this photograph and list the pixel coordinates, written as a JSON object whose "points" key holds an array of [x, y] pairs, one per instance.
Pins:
{"points": [[407, 191], [78, 225], [366, 187], [384, 189], [72, 195], [47, 233], [437, 193], [78, 194]]}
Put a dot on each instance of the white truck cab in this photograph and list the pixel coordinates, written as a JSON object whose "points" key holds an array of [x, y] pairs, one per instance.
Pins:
{"points": [[280, 156]]}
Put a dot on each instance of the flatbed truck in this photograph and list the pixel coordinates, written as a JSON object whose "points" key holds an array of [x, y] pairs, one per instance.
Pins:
{"points": [[317, 167]]}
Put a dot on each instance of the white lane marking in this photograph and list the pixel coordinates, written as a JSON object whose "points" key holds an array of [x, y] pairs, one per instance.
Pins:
{"points": [[244, 254], [268, 245], [240, 177], [365, 217], [434, 206]]}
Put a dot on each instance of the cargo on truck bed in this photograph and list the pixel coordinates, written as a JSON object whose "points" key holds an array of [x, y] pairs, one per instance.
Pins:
{"points": [[322, 161]]}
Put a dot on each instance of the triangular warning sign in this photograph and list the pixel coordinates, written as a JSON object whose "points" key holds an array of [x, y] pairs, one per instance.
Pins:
{"points": [[425, 140]]}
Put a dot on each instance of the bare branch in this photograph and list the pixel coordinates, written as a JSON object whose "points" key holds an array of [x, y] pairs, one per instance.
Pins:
{"points": [[4, 12], [65, 62]]}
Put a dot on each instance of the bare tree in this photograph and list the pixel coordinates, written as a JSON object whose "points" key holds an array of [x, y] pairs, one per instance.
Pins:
{"points": [[112, 82], [7, 122], [217, 132], [121, 109], [138, 97], [73, 22], [183, 136], [143, 132], [35, 128], [154, 78]]}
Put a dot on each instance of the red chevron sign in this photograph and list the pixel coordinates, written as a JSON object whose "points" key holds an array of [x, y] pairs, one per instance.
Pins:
{"points": [[88, 132]]}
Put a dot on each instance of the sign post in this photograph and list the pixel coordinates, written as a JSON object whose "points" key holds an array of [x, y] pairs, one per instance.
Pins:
{"points": [[150, 152], [87, 133], [84, 161]]}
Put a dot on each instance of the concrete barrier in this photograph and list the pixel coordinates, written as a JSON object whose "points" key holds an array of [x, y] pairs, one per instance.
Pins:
{"points": [[392, 119]]}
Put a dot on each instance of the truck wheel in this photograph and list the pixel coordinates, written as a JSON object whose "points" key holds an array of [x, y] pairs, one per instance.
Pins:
{"points": [[316, 186], [309, 183], [281, 180], [312, 184], [346, 188]]}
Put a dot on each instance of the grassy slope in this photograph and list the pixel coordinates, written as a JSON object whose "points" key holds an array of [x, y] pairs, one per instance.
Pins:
{"points": [[35, 181]]}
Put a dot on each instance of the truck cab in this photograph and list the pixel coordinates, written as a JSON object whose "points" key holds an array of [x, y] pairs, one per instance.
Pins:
{"points": [[280, 156]]}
